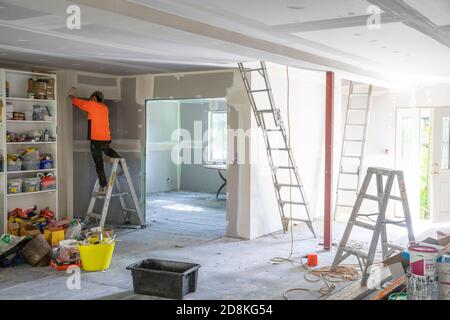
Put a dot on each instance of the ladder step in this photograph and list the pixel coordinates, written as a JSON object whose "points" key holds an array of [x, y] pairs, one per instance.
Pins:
{"points": [[345, 205], [395, 198], [356, 124], [94, 215], [349, 173], [370, 197], [279, 149], [348, 189], [253, 69], [353, 140], [287, 185], [397, 223], [296, 219], [393, 246], [363, 225], [356, 252], [112, 195], [285, 168], [353, 157], [129, 210], [273, 130], [356, 108], [264, 111], [292, 202], [259, 90], [359, 93]]}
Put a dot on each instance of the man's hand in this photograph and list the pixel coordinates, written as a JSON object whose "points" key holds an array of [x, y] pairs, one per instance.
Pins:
{"points": [[72, 92]]}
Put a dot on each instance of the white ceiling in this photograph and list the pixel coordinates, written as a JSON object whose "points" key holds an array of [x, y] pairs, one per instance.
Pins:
{"points": [[414, 38]]}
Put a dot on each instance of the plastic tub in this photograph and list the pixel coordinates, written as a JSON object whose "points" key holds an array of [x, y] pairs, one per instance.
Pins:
{"points": [[32, 184], [15, 167], [162, 278], [46, 164], [96, 257], [15, 186], [31, 164]]}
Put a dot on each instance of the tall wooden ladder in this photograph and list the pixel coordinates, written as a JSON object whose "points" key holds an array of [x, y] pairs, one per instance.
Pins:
{"points": [[375, 222], [353, 146], [114, 183], [268, 117]]}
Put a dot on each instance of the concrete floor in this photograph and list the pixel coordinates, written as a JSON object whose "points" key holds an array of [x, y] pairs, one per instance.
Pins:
{"points": [[190, 227]]}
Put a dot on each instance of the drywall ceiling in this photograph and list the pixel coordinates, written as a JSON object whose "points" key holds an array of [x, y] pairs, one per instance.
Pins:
{"points": [[154, 36]]}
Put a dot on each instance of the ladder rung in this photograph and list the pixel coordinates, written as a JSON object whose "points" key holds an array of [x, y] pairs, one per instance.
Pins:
{"points": [[356, 252], [253, 69], [349, 173], [397, 223], [282, 202], [364, 225], [287, 185], [370, 197], [296, 219], [359, 93], [259, 90], [112, 195], [279, 149], [272, 130], [264, 111], [353, 140], [356, 124], [393, 246], [285, 168], [94, 215], [129, 210], [345, 205], [358, 108], [347, 189], [396, 198], [348, 156]]}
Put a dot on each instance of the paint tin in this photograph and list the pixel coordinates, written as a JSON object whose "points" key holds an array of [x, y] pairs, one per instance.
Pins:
{"points": [[422, 259], [443, 264], [422, 287]]}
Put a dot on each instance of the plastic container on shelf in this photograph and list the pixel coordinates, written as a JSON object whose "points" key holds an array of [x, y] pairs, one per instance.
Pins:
{"points": [[32, 184], [48, 181], [15, 186], [31, 164]]}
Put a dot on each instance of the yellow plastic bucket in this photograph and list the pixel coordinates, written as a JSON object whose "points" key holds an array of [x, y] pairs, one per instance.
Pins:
{"points": [[96, 257]]}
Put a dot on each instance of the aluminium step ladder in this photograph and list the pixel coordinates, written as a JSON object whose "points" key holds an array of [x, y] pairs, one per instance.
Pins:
{"points": [[378, 226], [114, 182], [353, 146], [262, 115]]}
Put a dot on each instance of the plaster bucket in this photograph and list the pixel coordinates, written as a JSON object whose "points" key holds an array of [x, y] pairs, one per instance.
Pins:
{"points": [[422, 287], [422, 259]]}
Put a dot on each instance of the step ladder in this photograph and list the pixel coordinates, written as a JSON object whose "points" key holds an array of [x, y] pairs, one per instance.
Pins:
{"points": [[268, 117], [375, 222], [114, 182], [353, 146]]}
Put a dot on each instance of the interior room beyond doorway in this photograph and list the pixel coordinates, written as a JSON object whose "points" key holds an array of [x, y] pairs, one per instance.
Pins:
{"points": [[186, 171]]}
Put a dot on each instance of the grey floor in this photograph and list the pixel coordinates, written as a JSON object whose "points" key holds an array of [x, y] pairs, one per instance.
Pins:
{"points": [[190, 227]]}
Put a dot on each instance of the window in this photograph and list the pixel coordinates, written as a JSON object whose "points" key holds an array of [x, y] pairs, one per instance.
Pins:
{"points": [[217, 137]]}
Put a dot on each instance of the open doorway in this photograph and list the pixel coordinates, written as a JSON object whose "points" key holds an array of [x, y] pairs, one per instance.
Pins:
{"points": [[186, 167]]}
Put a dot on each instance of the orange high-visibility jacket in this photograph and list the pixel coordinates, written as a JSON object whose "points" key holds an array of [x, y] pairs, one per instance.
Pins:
{"points": [[98, 119]]}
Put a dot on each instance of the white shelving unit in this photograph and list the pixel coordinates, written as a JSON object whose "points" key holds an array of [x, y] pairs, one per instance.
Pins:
{"points": [[18, 85]]}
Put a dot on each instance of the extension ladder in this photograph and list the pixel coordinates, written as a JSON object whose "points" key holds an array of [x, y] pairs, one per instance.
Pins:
{"points": [[262, 114], [378, 226], [114, 182], [353, 146]]}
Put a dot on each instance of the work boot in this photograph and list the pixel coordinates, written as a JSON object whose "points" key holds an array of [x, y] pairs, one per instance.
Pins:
{"points": [[102, 191]]}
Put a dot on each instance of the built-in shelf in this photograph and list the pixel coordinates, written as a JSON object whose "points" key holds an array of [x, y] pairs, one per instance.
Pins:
{"points": [[31, 171], [26, 143], [29, 193], [30, 121], [30, 100]]}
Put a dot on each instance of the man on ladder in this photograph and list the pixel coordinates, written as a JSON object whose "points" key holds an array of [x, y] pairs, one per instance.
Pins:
{"points": [[98, 132]]}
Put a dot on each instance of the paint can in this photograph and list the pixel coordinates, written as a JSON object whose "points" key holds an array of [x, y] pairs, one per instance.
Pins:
{"points": [[422, 259], [422, 287], [443, 268], [313, 260]]}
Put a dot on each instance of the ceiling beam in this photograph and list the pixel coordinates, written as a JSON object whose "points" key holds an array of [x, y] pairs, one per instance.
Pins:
{"points": [[261, 49], [337, 23]]}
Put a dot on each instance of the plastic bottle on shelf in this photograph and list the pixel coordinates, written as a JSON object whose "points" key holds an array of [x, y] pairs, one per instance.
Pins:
{"points": [[46, 135]]}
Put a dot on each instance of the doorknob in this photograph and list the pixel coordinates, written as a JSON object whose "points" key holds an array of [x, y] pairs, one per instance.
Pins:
{"points": [[436, 169]]}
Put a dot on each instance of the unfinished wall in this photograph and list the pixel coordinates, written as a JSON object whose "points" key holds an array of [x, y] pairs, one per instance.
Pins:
{"points": [[195, 177], [307, 106]]}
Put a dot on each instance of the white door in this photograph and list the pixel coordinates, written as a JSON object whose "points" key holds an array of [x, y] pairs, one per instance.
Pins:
{"points": [[441, 166]]}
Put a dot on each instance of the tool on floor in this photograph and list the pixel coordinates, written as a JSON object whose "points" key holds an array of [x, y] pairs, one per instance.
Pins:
{"points": [[114, 182], [262, 114], [353, 146], [378, 226]]}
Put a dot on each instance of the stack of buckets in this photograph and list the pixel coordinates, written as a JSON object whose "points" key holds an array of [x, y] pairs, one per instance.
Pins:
{"points": [[443, 268], [422, 278]]}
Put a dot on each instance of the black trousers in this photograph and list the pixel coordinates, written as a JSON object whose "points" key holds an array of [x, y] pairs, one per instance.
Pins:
{"points": [[97, 150]]}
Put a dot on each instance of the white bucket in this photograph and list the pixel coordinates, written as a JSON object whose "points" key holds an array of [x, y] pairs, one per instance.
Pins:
{"points": [[422, 287], [422, 259], [443, 264]]}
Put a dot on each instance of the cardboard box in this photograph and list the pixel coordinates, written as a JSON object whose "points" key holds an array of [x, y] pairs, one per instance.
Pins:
{"points": [[54, 236]]}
